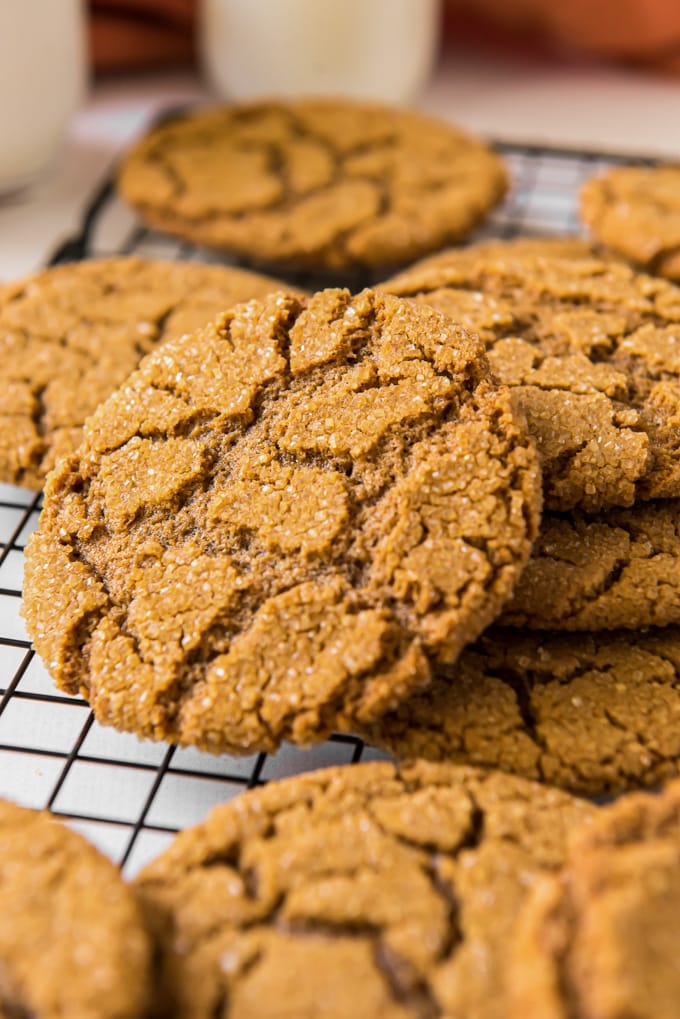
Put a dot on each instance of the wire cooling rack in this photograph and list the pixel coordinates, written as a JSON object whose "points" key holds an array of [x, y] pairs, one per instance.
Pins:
{"points": [[128, 796]]}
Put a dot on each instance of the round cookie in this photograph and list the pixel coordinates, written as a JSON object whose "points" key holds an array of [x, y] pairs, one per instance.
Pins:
{"points": [[620, 568], [314, 183], [596, 713], [377, 891], [72, 937], [278, 524], [70, 335], [592, 350], [600, 939], [635, 210]]}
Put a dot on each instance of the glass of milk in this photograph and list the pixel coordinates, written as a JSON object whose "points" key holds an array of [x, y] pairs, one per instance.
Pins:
{"points": [[368, 49], [42, 80]]}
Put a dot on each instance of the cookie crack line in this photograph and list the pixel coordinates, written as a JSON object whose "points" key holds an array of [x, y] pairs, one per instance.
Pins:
{"points": [[529, 718], [640, 736], [174, 178], [419, 999], [618, 569]]}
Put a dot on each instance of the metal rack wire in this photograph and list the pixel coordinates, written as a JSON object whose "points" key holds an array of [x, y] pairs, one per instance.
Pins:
{"points": [[127, 796]]}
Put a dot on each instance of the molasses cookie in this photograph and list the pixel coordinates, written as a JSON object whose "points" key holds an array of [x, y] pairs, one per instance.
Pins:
{"points": [[620, 568], [280, 523], [592, 350], [70, 335], [635, 211], [72, 938], [315, 183], [548, 246], [374, 890], [600, 939], [595, 713]]}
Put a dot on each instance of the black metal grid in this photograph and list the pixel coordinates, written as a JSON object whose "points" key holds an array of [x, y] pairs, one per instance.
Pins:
{"points": [[130, 797]]}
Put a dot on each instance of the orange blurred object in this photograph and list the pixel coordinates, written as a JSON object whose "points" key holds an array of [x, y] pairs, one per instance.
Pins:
{"points": [[132, 34], [128, 34], [639, 31]]}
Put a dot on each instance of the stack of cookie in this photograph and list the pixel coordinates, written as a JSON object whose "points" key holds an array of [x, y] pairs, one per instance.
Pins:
{"points": [[440, 513], [590, 350]]}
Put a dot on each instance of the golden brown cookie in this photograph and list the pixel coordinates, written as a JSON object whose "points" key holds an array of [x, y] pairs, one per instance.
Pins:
{"points": [[600, 939], [278, 524], [70, 335], [591, 712], [635, 210], [373, 890], [548, 246], [316, 183], [620, 568], [72, 937], [592, 350]]}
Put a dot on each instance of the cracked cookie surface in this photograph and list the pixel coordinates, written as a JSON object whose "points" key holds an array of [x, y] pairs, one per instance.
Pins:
{"points": [[599, 939], [592, 350], [377, 890], [278, 524], [591, 712], [313, 183], [620, 568], [72, 937], [70, 335], [635, 211]]}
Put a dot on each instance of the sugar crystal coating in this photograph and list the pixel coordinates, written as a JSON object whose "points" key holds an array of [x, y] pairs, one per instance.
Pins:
{"points": [[592, 350], [375, 890], [279, 524], [69, 335], [618, 568], [595, 713]]}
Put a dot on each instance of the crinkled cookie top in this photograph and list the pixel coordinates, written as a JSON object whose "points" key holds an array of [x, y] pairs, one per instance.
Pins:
{"points": [[618, 568], [378, 891], [592, 351], [319, 183], [635, 210], [70, 335], [595, 713], [279, 523]]}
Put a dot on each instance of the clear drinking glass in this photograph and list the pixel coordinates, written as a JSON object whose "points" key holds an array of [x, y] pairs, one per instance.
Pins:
{"points": [[370, 49], [42, 80]]}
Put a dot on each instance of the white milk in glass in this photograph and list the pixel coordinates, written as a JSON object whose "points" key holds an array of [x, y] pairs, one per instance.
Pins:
{"points": [[372, 49], [42, 80]]}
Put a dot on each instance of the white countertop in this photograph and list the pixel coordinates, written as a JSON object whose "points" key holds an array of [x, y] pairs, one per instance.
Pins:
{"points": [[567, 105]]}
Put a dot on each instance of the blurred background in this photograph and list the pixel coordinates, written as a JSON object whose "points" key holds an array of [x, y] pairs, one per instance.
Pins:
{"points": [[127, 34], [601, 76]]}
